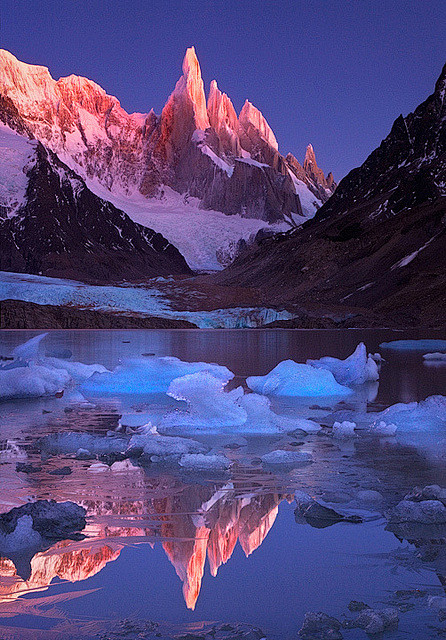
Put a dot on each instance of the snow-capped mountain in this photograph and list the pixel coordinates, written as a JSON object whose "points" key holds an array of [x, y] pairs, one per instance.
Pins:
{"points": [[196, 146], [52, 224], [378, 245]]}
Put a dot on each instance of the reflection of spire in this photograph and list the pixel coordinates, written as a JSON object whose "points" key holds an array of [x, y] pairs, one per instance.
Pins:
{"points": [[215, 528], [192, 520]]}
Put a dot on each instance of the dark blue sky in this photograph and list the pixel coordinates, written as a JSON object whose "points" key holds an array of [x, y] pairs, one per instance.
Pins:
{"points": [[333, 73]]}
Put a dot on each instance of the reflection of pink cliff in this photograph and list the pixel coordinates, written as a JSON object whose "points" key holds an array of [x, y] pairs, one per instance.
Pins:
{"points": [[214, 529], [192, 522]]}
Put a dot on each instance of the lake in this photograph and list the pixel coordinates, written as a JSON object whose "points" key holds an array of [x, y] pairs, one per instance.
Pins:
{"points": [[173, 551]]}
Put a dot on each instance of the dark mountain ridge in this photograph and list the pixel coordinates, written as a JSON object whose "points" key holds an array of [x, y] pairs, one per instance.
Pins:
{"points": [[379, 243]]}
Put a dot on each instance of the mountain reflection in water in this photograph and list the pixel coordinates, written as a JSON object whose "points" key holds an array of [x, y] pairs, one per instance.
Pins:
{"points": [[191, 521]]}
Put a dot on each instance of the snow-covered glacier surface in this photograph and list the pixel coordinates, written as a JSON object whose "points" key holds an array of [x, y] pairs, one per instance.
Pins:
{"points": [[207, 239], [131, 299], [207, 502]]}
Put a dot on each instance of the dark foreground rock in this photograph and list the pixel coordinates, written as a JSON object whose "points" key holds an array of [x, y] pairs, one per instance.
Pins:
{"points": [[36, 526], [378, 243]]}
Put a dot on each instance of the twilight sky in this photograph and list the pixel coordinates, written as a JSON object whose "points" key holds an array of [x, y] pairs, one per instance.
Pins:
{"points": [[335, 73]]}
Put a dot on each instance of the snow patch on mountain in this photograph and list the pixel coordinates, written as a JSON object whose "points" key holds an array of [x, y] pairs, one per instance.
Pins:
{"points": [[207, 239], [16, 157]]}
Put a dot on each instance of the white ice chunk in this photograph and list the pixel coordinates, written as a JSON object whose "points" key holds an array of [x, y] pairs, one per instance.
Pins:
{"points": [[208, 405], [154, 444], [150, 375], [29, 350], [200, 461], [33, 381], [344, 429], [77, 370], [381, 428], [435, 358], [262, 419], [425, 415], [290, 378], [210, 409], [124, 466], [358, 368]]}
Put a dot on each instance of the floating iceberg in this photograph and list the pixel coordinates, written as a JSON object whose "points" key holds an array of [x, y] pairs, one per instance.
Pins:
{"points": [[77, 370], [425, 415], [32, 381], [435, 358], [211, 409], [149, 375], [32, 375], [30, 349], [198, 461], [382, 429], [358, 368], [154, 444], [415, 345], [71, 442], [343, 430], [290, 378], [208, 406]]}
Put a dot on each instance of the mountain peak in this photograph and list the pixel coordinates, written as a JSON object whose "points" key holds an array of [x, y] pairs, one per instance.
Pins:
{"points": [[250, 115], [191, 85], [310, 157]]}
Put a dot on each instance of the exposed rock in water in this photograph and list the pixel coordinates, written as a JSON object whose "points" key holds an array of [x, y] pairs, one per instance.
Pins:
{"points": [[36, 526]]}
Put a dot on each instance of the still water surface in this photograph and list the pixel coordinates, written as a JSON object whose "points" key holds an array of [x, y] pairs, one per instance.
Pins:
{"points": [[179, 548]]}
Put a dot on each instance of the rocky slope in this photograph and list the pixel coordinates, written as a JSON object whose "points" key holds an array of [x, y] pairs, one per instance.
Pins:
{"points": [[52, 224], [378, 245], [230, 163]]}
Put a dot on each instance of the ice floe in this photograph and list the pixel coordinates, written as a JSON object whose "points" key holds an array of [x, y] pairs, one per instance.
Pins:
{"points": [[198, 461], [414, 345], [425, 415], [291, 378], [149, 375], [343, 430], [31, 374], [32, 381], [358, 368], [434, 359], [212, 409]]}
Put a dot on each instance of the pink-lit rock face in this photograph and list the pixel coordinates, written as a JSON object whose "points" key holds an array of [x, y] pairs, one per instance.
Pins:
{"points": [[223, 119], [190, 86], [193, 147], [252, 125], [194, 523]]}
